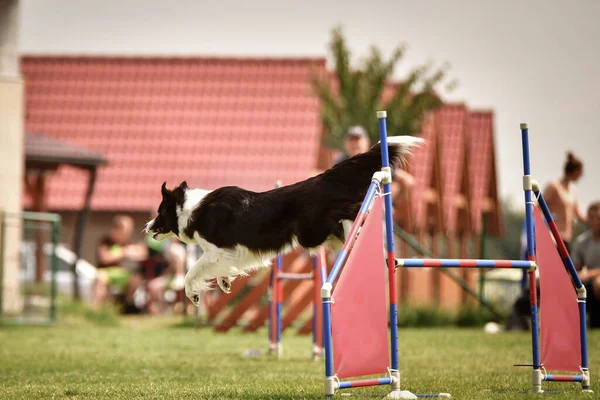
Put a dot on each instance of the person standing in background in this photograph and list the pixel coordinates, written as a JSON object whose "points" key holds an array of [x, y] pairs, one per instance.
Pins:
{"points": [[561, 197], [356, 141]]}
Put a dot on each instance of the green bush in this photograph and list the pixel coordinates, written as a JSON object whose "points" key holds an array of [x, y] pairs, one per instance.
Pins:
{"points": [[471, 316], [73, 311], [421, 317], [432, 316]]}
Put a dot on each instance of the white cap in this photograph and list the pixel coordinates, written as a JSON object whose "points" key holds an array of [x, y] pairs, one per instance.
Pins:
{"points": [[356, 131]]}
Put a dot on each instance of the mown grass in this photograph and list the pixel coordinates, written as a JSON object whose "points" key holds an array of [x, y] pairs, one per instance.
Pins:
{"points": [[163, 359]]}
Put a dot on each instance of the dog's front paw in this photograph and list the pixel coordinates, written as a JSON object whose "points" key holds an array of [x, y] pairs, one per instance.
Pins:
{"points": [[225, 283], [193, 295]]}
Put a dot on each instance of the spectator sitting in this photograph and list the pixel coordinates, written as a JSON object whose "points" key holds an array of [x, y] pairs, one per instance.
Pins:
{"points": [[586, 257], [117, 261], [165, 271]]}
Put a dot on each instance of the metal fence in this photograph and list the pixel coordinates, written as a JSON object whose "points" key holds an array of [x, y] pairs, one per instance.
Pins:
{"points": [[38, 266]]}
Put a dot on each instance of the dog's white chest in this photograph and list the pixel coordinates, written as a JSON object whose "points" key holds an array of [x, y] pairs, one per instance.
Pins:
{"points": [[235, 261]]}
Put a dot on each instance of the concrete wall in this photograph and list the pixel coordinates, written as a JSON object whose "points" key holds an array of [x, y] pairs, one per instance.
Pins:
{"points": [[11, 148]]}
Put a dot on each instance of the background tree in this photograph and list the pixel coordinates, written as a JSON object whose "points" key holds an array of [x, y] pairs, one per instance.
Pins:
{"points": [[356, 93]]}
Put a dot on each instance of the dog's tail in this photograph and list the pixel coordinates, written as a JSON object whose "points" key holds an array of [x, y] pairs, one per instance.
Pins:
{"points": [[399, 147], [352, 177]]}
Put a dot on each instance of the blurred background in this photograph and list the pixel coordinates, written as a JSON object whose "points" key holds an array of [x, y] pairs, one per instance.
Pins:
{"points": [[101, 102]]}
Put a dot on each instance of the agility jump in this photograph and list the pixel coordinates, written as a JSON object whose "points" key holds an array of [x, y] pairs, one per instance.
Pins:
{"points": [[276, 300], [355, 324]]}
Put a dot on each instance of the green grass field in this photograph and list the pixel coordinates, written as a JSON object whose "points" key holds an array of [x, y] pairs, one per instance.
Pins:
{"points": [[157, 359]]}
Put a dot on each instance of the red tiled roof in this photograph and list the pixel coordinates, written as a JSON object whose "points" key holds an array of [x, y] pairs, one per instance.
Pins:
{"points": [[452, 123], [480, 141], [210, 121]]}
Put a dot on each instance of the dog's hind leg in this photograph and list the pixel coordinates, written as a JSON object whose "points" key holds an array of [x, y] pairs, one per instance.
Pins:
{"points": [[311, 236], [347, 225]]}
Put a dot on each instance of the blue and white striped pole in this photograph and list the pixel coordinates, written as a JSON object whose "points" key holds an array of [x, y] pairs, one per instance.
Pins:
{"points": [[537, 375], [391, 263]]}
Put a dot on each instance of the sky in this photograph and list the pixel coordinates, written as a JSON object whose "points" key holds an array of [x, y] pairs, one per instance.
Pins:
{"points": [[533, 61]]}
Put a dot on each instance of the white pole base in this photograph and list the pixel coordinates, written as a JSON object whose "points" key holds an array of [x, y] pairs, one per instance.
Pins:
{"points": [[401, 394], [276, 349], [585, 385], [330, 386], [536, 381]]}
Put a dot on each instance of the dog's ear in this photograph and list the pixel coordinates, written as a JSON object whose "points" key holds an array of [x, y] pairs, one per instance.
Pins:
{"points": [[163, 189], [178, 193]]}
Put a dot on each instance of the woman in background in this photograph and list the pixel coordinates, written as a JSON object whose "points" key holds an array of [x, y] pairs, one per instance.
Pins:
{"points": [[561, 197]]}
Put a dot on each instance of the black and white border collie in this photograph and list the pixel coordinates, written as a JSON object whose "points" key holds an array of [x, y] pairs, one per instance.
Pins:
{"points": [[240, 231]]}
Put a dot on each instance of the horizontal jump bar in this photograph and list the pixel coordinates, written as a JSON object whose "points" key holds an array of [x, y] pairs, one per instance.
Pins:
{"points": [[452, 263], [563, 378], [291, 275], [365, 382]]}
